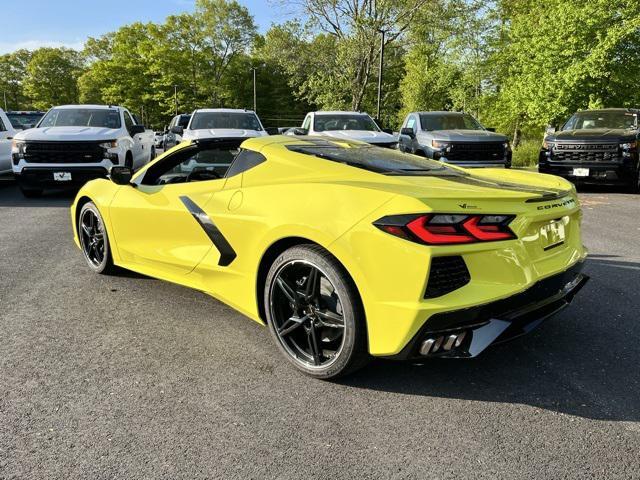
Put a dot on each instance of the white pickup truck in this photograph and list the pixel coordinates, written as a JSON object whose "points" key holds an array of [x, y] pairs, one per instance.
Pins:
{"points": [[6, 136], [76, 143]]}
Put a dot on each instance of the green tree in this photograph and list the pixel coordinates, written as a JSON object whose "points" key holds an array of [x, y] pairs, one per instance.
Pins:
{"points": [[51, 75]]}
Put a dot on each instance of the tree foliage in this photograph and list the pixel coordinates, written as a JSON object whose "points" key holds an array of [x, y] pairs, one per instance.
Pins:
{"points": [[516, 64]]}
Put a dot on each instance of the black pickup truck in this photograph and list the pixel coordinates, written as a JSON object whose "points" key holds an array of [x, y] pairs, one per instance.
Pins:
{"points": [[595, 147]]}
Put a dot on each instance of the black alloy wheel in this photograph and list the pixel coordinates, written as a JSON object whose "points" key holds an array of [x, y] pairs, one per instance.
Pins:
{"points": [[94, 240], [314, 313]]}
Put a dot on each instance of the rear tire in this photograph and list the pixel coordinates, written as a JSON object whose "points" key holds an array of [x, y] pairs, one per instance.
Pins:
{"points": [[128, 160], [635, 186], [314, 313], [94, 241]]}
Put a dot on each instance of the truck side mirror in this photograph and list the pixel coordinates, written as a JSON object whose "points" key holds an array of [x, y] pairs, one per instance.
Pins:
{"points": [[272, 131], [491, 129], [408, 132], [121, 175], [388, 130], [300, 131], [136, 130], [178, 130]]}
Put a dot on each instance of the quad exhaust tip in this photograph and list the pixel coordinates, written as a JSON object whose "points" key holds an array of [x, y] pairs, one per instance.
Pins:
{"points": [[442, 343]]}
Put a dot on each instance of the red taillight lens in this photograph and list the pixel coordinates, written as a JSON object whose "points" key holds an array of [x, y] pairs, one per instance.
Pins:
{"points": [[448, 229]]}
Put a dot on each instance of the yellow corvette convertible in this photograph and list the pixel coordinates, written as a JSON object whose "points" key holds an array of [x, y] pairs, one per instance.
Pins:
{"points": [[345, 250]]}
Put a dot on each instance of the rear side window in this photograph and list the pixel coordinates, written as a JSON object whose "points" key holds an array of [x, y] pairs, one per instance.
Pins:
{"points": [[245, 160], [2, 127]]}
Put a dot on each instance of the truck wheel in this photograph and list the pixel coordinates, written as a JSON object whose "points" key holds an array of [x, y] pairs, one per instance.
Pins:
{"points": [[635, 185], [153, 153], [128, 160]]}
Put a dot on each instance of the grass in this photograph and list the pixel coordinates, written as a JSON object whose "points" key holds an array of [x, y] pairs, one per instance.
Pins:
{"points": [[526, 155]]}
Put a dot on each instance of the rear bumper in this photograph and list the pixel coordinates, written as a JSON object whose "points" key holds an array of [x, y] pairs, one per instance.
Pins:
{"points": [[42, 177], [470, 331]]}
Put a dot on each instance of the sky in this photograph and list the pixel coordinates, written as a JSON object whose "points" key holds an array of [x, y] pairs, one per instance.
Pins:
{"points": [[37, 23]]}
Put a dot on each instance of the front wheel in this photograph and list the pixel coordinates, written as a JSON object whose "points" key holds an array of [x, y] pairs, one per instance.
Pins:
{"points": [[94, 240], [635, 184], [314, 313]]}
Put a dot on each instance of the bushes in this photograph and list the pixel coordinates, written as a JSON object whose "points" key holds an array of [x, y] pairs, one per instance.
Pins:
{"points": [[526, 154]]}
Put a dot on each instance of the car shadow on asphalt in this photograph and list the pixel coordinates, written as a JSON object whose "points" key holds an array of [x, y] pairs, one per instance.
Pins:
{"points": [[583, 362], [10, 196]]}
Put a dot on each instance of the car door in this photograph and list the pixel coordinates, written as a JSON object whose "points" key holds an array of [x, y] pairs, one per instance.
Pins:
{"points": [[407, 144], [6, 135], [157, 222], [137, 151]]}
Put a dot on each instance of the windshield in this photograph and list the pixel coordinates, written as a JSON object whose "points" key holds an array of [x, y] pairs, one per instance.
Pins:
{"points": [[602, 119], [81, 117], [19, 120], [324, 122], [372, 158], [211, 120], [449, 121]]}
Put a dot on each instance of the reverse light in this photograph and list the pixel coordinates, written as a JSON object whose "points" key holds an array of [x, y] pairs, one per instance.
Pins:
{"points": [[448, 229]]}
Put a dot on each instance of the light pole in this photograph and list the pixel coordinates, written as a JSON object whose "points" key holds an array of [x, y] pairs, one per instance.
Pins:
{"points": [[255, 106], [5, 101], [175, 97], [380, 72]]}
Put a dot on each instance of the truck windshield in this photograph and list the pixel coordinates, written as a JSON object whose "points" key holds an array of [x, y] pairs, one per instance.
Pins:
{"points": [[240, 120], [81, 117], [602, 119], [449, 121], [20, 120], [325, 122], [374, 159]]}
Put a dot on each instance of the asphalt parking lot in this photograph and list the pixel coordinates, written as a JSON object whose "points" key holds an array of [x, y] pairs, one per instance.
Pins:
{"points": [[130, 377]]}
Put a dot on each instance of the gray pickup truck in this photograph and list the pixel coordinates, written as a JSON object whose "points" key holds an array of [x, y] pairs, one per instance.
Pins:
{"points": [[454, 137]]}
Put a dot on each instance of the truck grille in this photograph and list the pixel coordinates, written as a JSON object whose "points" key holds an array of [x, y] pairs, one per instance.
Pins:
{"points": [[476, 151], [446, 275], [63, 152], [585, 152]]}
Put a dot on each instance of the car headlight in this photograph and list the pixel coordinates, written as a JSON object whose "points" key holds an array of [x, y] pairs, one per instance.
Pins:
{"points": [[439, 144], [18, 147], [506, 145], [109, 144], [547, 145], [629, 145]]}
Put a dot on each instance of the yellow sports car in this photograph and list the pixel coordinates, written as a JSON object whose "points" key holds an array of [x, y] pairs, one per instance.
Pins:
{"points": [[345, 250]]}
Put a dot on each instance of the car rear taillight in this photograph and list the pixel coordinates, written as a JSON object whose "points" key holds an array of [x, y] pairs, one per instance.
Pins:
{"points": [[448, 229]]}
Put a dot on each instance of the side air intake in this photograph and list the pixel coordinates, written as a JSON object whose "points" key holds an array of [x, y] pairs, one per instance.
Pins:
{"points": [[446, 275]]}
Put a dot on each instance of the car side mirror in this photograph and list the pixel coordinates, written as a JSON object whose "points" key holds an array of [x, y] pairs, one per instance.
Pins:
{"points": [[408, 132], [491, 129], [300, 131], [136, 130], [121, 175], [551, 129], [272, 131], [177, 130], [388, 130]]}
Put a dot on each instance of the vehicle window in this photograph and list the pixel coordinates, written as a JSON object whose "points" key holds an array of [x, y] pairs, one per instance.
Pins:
{"points": [[82, 117], [183, 120], [211, 120], [196, 163], [19, 120], [602, 119], [2, 127], [372, 158], [245, 160], [357, 121], [128, 122], [307, 122], [449, 121], [411, 123]]}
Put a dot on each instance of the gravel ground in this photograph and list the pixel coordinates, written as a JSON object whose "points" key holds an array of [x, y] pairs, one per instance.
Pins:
{"points": [[130, 377]]}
